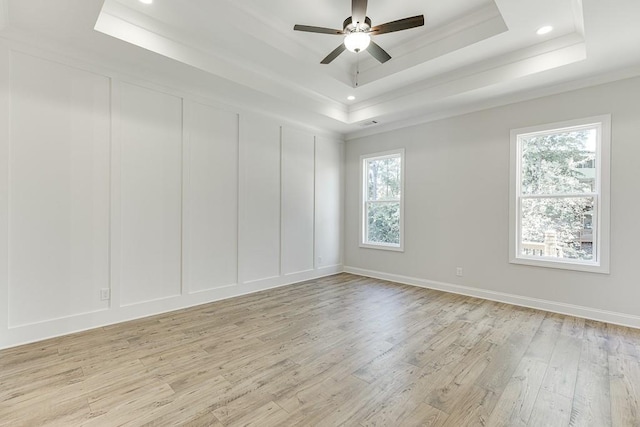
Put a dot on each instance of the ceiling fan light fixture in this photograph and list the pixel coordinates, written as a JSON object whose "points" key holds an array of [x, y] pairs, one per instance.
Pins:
{"points": [[357, 41]]}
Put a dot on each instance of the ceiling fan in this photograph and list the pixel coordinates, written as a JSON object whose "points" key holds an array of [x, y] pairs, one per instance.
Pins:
{"points": [[357, 30]]}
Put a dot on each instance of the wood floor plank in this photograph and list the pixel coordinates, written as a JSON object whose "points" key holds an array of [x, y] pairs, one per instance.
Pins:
{"points": [[563, 367], [440, 343], [544, 340], [424, 416], [200, 420], [460, 380], [550, 410], [592, 398], [326, 399], [573, 327], [401, 353], [188, 407], [340, 350], [507, 358], [118, 411], [400, 408], [516, 403], [405, 398], [338, 362], [266, 416], [54, 411], [105, 382], [15, 390], [623, 340], [625, 390], [28, 358], [473, 408]]}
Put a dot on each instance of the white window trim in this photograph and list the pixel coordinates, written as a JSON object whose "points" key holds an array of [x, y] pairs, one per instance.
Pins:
{"points": [[363, 180], [602, 197]]}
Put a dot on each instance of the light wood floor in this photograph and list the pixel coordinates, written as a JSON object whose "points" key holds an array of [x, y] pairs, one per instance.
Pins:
{"points": [[340, 350]]}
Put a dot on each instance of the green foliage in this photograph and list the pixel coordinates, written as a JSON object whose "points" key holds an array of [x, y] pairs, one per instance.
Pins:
{"points": [[550, 163], [564, 216], [383, 194], [383, 223], [383, 179]]}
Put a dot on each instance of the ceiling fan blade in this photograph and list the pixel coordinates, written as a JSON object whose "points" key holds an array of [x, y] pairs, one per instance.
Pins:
{"points": [[333, 55], [358, 10], [377, 52], [399, 25], [321, 30]]}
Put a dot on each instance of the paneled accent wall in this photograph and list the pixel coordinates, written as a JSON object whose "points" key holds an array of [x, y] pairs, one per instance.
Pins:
{"points": [[121, 200]]}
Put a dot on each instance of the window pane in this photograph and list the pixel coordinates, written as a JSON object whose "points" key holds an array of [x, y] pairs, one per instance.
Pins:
{"points": [[383, 179], [558, 227], [383, 223], [559, 163]]}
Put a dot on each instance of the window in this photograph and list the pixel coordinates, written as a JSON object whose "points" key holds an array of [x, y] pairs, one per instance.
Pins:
{"points": [[382, 200], [559, 210]]}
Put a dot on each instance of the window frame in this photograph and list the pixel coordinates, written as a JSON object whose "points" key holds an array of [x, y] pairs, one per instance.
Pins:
{"points": [[601, 195], [363, 201]]}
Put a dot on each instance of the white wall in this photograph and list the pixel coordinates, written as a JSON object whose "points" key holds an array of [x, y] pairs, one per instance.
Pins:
{"points": [[163, 200], [456, 207]]}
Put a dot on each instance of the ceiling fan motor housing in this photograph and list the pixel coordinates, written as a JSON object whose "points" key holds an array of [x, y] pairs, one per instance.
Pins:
{"points": [[350, 27]]}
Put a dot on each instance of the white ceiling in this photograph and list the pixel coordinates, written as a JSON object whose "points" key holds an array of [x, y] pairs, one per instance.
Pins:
{"points": [[470, 54]]}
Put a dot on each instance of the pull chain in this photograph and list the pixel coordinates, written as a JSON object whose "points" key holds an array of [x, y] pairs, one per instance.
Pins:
{"points": [[357, 68]]}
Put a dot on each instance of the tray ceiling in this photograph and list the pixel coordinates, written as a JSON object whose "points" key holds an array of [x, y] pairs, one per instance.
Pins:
{"points": [[469, 53]]}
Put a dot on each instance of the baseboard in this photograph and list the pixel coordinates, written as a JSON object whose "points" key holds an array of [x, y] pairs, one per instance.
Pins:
{"points": [[540, 304]]}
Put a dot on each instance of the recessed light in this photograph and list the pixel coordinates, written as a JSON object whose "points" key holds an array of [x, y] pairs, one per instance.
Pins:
{"points": [[544, 30], [351, 98], [146, 1]]}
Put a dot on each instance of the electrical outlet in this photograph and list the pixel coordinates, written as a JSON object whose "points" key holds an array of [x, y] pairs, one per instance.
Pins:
{"points": [[105, 294], [459, 271]]}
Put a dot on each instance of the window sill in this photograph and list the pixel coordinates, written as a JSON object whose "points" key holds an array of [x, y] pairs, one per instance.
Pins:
{"points": [[382, 247], [562, 265]]}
